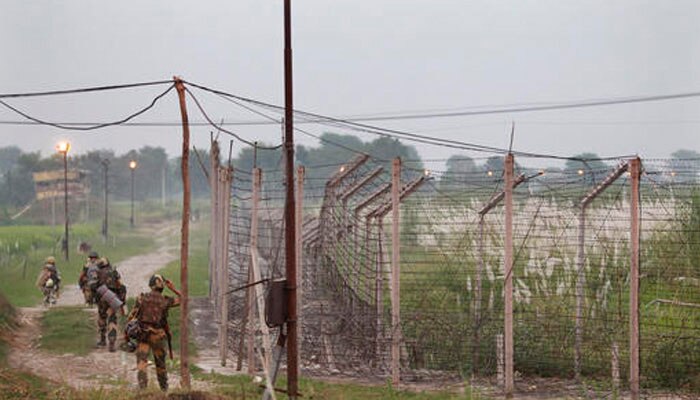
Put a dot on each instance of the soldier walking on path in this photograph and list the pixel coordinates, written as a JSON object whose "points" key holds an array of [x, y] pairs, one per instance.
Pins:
{"points": [[49, 281], [148, 323], [88, 273], [107, 312]]}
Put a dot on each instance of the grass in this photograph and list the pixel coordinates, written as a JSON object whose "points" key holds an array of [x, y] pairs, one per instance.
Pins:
{"points": [[243, 387], [198, 262], [68, 330], [19, 271]]}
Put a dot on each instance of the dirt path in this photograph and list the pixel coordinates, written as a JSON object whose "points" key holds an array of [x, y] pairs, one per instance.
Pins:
{"points": [[136, 270], [99, 368]]}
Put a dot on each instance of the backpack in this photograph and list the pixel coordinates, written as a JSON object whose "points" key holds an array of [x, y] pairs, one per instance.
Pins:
{"points": [[134, 330], [105, 276], [92, 278], [153, 310]]}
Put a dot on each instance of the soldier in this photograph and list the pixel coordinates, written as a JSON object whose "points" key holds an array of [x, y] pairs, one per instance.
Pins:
{"points": [[90, 266], [49, 281], [151, 312], [107, 316]]}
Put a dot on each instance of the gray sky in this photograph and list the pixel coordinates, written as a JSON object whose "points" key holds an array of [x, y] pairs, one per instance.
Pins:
{"points": [[360, 58]]}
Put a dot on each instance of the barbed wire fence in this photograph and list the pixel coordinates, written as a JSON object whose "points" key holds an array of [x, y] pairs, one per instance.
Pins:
{"points": [[438, 312]]}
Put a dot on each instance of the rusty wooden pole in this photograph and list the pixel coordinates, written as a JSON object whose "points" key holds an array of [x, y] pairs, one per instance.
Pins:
{"points": [[66, 213], [508, 268], [395, 273], [184, 238], [290, 231], [299, 216], [635, 171]]}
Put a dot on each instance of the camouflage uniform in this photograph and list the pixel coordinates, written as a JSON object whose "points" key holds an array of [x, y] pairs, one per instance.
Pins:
{"points": [[49, 272], [151, 310], [107, 317], [92, 261]]}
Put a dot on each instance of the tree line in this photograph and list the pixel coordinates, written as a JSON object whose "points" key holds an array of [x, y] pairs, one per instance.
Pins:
{"points": [[158, 175]]}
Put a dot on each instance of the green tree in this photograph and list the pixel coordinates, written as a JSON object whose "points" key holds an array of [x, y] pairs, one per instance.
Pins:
{"points": [[589, 166], [8, 158], [461, 171], [684, 165]]}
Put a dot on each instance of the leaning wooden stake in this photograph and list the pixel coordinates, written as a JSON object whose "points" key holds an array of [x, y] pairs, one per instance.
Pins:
{"points": [[508, 268], [257, 178], [635, 169], [395, 273], [184, 241]]}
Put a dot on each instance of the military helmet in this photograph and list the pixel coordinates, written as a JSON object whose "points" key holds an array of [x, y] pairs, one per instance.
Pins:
{"points": [[156, 282], [51, 260], [93, 254]]}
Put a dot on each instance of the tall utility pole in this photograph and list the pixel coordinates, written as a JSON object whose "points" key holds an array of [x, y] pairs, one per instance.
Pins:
{"points": [[105, 223], [289, 208], [63, 148], [184, 237]]}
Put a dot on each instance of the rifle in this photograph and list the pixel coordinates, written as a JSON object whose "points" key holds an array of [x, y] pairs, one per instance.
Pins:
{"points": [[170, 338]]}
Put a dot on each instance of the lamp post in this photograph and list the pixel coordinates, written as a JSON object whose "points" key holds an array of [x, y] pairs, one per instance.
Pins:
{"points": [[63, 148], [132, 166], [105, 223]]}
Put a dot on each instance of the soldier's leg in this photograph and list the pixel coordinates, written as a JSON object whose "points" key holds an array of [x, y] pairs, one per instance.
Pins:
{"points": [[87, 294], [141, 363], [159, 358], [102, 323], [111, 328]]}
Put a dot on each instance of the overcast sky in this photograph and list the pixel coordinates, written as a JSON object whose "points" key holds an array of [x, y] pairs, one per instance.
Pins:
{"points": [[362, 58]]}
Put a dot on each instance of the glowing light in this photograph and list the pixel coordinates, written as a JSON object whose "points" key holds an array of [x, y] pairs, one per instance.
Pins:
{"points": [[63, 147], [132, 164], [673, 173], [426, 172], [342, 168], [580, 172], [490, 173]]}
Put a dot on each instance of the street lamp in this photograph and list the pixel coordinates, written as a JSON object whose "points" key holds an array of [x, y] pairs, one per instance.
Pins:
{"points": [[132, 166], [105, 223], [63, 148]]}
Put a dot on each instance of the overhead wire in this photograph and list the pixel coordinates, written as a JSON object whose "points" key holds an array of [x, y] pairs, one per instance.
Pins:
{"points": [[90, 127], [84, 90], [226, 131], [440, 141]]}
